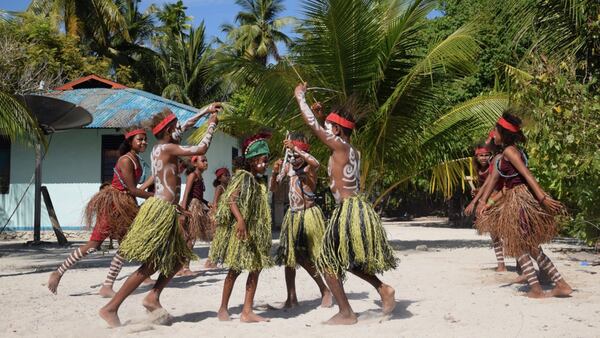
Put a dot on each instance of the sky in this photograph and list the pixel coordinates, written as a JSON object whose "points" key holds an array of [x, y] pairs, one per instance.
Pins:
{"points": [[213, 12]]}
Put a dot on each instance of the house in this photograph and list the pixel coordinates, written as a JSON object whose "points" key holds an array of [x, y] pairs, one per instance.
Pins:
{"points": [[79, 160]]}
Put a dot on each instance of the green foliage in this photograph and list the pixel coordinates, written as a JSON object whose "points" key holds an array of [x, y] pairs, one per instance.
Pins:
{"points": [[563, 119]]}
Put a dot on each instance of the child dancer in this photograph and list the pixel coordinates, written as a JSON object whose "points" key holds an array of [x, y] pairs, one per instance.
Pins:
{"points": [[243, 237], [198, 224], [113, 209], [482, 163], [526, 217], [354, 238], [220, 183], [304, 224], [155, 237]]}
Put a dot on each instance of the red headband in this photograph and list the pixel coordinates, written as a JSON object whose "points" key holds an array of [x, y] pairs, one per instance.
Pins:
{"points": [[508, 126], [134, 132], [163, 123], [301, 145], [221, 171], [481, 150], [335, 118]]}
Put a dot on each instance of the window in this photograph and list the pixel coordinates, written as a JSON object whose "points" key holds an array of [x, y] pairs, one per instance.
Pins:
{"points": [[110, 155], [4, 164], [234, 153]]}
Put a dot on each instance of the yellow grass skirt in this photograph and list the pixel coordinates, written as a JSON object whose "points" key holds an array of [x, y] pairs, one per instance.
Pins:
{"points": [[301, 235]]}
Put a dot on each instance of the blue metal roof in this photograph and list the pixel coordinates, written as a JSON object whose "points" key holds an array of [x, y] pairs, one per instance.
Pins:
{"points": [[120, 108]]}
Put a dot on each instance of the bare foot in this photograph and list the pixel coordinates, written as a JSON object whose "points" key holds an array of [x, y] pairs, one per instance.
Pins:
{"points": [[151, 302], [106, 291], [562, 289], [521, 279], [326, 299], [252, 318], [148, 281], [53, 281], [342, 319], [537, 294], [111, 317], [187, 272], [501, 268], [209, 265], [388, 301], [223, 315]]}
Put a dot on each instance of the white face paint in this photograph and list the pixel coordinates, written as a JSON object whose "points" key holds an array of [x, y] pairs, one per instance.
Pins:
{"points": [[328, 127]]}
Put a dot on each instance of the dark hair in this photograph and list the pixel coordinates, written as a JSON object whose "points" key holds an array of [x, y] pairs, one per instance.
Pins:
{"points": [[510, 138], [239, 163], [346, 111], [156, 119], [125, 146], [298, 136], [189, 166], [104, 185]]}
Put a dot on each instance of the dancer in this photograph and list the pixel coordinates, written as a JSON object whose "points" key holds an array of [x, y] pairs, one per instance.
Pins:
{"points": [[198, 224], [526, 217], [354, 238], [482, 164], [304, 224], [112, 209], [155, 237], [243, 237]]}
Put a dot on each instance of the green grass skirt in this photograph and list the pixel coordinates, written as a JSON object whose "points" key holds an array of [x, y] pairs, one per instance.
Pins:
{"points": [[301, 235], [155, 238], [355, 239], [251, 198]]}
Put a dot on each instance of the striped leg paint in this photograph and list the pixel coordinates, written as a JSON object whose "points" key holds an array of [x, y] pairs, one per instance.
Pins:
{"points": [[73, 258], [113, 272]]}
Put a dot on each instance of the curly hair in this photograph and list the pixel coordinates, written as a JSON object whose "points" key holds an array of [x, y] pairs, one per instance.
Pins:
{"points": [[125, 146], [158, 118]]}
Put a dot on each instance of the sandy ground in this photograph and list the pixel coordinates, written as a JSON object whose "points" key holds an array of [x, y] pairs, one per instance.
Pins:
{"points": [[450, 290]]}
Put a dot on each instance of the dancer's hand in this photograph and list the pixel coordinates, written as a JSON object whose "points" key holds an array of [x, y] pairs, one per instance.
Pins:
{"points": [[215, 107], [277, 166], [469, 209], [288, 144], [317, 108], [240, 230], [300, 89], [481, 208], [551, 204]]}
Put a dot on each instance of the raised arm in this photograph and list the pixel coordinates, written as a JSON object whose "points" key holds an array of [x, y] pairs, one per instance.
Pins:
{"points": [[308, 158], [182, 126], [309, 117], [127, 169], [199, 149]]}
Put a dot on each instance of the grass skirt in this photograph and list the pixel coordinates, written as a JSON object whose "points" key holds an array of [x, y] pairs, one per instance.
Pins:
{"points": [[251, 198], [355, 239], [521, 222], [301, 235], [113, 210], [156, 238], [200, 225], [487, 224]]}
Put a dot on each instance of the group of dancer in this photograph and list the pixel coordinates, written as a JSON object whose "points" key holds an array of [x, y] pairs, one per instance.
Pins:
{"points": [[513, 208], [161, 233], [509, 204]]}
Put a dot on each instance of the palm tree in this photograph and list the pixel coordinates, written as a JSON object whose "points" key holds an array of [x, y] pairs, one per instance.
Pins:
{"points": [[17, 123], [184, 63], [259, 29], [370, 52]]}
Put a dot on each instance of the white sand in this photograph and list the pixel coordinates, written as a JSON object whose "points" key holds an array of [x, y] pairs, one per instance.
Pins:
{"points": [[450, 290]]}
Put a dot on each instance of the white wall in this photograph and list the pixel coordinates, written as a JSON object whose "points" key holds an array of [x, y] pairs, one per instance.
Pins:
{"points": [[71, 172]]}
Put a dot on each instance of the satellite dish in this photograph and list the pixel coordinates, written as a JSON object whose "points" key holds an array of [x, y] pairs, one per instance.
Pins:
{"points": [[52, 115], [55, 114]]}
